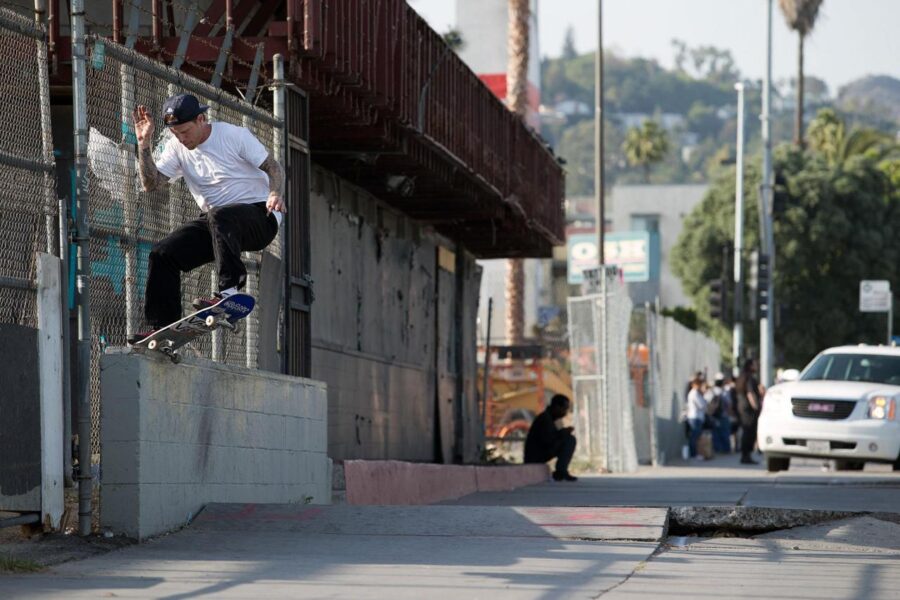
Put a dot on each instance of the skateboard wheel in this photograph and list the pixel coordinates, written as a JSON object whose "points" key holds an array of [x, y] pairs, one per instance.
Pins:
{"points": [[152, 344], [210, 321]]}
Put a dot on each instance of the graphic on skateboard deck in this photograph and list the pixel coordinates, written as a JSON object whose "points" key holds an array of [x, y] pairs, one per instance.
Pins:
{"points": [[225, 313]]}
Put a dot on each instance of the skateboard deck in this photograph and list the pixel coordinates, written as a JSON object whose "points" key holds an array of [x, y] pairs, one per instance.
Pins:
{"points": [[226, 313]]}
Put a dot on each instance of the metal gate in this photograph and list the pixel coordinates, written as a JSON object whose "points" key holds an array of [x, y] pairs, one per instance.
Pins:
{"points": [[603, 406], [299, 283]]}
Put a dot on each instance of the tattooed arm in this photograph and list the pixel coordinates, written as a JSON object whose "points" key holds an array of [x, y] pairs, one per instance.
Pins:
{"points": [[151, 178], [276, 184]]}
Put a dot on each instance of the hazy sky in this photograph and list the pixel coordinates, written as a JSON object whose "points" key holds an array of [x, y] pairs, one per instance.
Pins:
{"points": [[852, 38]]}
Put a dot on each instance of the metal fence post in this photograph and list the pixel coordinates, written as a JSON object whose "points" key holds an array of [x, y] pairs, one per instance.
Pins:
{"points": [[279, 135], [62, 239], [82, 237], [129, 199]]}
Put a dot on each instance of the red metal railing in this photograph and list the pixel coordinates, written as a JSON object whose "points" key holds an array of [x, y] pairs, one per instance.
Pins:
{"points": [[374, 64]]}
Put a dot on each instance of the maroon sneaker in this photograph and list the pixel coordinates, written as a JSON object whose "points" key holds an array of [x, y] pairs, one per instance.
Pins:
{"points": [[201, 303]]}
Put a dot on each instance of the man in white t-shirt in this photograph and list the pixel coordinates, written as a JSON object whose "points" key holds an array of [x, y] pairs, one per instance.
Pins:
{"points": [[238, 186]]}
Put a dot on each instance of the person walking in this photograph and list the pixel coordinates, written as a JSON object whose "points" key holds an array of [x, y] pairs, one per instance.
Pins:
{"points": [[696, 414], [749, 403], [718, 413], [238, 186], [545, 442]]}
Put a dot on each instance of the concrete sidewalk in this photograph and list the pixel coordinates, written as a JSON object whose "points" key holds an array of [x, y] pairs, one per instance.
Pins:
{"points": [[290, 551], [555, 540], [721, 482]]}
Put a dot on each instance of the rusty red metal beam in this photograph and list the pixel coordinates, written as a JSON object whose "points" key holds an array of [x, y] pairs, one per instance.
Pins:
{"points": [[264, 14], [211, 18]]}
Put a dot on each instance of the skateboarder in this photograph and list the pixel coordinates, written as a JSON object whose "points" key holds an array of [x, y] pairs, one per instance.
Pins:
{"points": [[238, 186]]}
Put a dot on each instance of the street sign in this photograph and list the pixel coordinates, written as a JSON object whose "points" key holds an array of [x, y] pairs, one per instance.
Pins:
{"points": [[874, 295], [582, 254], [635, 253]]}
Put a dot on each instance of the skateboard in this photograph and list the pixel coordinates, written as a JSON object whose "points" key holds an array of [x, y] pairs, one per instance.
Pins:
{"points": [[226, 313]]}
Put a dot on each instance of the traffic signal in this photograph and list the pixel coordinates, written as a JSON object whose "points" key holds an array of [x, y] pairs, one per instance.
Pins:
{"points": [[762, 285], [780, 194], [717, 300]]}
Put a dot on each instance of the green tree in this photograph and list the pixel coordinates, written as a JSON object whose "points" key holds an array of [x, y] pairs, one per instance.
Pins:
{"points": [[576, 145], [839, 225], [827, 135], [645, 146], [801, 17]]}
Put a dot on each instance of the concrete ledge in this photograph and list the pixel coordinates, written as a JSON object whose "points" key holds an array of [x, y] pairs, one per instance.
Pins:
{"points": [[175, 437], [509, 477], [394, 482]]}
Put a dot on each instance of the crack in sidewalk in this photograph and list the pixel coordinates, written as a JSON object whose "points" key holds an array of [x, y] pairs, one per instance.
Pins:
{"points": [[660, 548]]}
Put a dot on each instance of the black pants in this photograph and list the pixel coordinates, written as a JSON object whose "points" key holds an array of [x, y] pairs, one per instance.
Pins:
{"points": [[748, 431], [219, 235], [563, 450]]}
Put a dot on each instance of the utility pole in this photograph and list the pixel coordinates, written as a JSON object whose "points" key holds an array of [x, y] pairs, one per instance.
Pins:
{"points": [[737, 340], [766, 321], [598, 135]]}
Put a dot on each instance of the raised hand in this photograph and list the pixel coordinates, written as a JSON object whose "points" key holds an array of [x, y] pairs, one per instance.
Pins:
{"points": [[143, 125]]}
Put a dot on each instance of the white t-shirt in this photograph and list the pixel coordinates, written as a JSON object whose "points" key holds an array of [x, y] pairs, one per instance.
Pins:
{"points": [[696, 404], [223, 170]]}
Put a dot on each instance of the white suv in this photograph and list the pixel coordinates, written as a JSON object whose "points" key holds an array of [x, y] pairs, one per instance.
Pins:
{"points": [[843, 406]]}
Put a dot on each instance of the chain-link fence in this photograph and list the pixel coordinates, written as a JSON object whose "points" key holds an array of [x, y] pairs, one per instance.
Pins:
{"points": [[675, 354], [28, 206], [125, 221], [603, 405]]}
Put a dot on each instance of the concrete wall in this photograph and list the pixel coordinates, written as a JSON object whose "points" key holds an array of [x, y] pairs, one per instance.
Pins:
{"points": [[175, 437], [378, 332]]}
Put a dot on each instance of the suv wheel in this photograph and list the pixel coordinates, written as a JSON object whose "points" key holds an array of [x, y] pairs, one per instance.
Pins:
{"points": [[777, 463]]}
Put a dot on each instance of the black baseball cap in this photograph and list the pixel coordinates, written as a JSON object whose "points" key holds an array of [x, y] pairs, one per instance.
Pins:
{"points": [[182, 108]]}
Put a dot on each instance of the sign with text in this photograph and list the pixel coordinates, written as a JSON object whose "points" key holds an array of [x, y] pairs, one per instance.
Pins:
{"points": [[874, 295], [635, 253]]}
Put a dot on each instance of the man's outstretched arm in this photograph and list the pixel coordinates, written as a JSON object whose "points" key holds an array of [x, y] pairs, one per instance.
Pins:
{"points": [[151, 178], [276, 184]]}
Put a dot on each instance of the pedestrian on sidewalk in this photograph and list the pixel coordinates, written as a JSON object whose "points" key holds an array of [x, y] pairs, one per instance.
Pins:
{"points": [[545, 441], [238, 186], [718, 414], [696, 413], [749, 403]]}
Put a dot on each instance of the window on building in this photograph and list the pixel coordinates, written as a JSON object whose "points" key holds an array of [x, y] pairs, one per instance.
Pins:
{"points": [[645, 223]]}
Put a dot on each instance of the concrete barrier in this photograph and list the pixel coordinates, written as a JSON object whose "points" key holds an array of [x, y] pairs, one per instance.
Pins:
{"points": [[386, 482], [175, 437]]}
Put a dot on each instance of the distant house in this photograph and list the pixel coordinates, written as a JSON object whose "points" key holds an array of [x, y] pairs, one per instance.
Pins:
{"points": [[669, 121]]}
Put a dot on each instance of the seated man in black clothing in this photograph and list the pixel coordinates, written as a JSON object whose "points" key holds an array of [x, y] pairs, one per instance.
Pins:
{"points": [[545, 441]]}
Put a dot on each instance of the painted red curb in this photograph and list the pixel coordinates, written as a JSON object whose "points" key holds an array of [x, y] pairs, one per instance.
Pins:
{"points": [[391, 482]]}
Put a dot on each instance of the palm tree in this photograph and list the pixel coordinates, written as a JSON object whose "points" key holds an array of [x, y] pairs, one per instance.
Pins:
{"points": [[645, 146], [801, 17], [828, 136], [517, 100]]}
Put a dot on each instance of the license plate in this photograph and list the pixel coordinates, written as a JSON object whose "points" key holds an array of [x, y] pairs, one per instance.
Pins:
{"points": [[818, 447], [821, 407]]}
